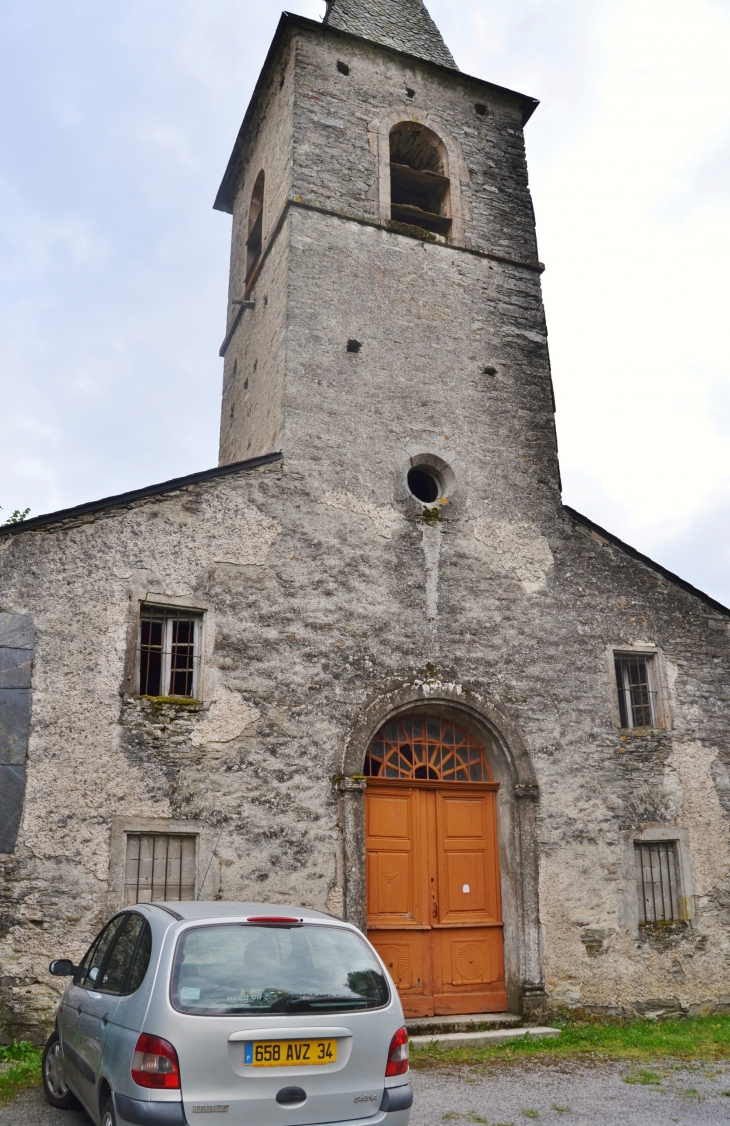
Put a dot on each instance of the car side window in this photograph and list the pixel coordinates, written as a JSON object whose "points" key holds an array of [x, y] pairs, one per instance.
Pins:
{"points": [[141, 959], [89, 969], [114, 972]]}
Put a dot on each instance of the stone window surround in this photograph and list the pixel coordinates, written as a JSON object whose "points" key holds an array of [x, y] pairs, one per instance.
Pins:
{"points": [[207, 873], [666, 834], [246, 284], [511, 766], [659, 673], [454, 164], [176, 602]]}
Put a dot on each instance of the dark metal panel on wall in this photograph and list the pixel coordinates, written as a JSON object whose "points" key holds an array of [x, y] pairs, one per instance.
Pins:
{"points": [[16, 657]]}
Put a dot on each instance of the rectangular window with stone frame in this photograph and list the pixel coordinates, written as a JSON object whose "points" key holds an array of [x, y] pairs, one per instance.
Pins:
{"points": [[159, 867], [657, 882], [169, 652], [636, 682]]}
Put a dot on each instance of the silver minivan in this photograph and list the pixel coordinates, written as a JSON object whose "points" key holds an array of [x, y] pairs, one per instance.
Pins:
{"points": [[262, 1015]]}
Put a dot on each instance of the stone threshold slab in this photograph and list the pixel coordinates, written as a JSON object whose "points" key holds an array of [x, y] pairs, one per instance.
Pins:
{"points": [[465, 1022], [481, 1039]]}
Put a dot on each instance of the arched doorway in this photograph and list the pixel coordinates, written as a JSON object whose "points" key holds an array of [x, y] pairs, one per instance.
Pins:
{"points": [[433, 877]]}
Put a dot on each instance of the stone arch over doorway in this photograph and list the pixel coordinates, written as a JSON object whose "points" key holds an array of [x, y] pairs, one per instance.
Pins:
{"points": [[510, 765]]}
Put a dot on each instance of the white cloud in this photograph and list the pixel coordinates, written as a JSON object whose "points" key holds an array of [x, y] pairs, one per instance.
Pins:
{"points": [[118, 123]]}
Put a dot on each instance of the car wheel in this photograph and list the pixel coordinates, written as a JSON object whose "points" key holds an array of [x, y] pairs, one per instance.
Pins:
{"points": [[54, 1076], [107, 1114]]}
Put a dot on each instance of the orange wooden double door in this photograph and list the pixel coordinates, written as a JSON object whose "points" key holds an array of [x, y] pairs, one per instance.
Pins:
{"points": [[434, 904]]}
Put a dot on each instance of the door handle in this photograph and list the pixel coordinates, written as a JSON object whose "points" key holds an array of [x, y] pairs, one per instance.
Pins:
{"points": [[105, 1019], [78, 1009]]}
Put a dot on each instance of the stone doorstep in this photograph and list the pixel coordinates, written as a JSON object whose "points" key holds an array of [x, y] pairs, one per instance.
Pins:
{"points": [[479, 1039], [471, 1022]]}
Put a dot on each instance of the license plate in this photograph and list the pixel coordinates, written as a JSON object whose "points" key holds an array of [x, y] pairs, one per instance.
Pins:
{"points": [[289, 1053]]}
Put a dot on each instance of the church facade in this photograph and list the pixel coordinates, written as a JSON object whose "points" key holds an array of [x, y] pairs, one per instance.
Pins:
{"points": [[370, 664]]}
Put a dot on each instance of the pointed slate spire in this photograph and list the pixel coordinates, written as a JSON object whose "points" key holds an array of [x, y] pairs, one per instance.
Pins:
{"points": [[403, 24]]}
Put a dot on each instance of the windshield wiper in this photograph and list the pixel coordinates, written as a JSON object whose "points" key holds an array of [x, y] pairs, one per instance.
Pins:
{"points": [[324, 1000]]}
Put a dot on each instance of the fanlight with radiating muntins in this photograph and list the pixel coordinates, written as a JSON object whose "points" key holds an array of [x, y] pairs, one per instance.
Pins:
{"points": [[424, 748]]}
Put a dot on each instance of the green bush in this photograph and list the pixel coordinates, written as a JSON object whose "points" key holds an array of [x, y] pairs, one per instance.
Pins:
{"points": [[20, 1066]]}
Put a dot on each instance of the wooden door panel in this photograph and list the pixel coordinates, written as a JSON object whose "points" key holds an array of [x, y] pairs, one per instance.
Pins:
{"points": [[389, 816], [393, 884], [407, 955], [464, 817], [469, 970], [469, 882], [389, 884], [469, 957], [465, 888]]}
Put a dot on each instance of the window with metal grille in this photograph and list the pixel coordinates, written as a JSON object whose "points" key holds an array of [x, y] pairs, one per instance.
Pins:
{"points": [[636, 692], [159, 866], [657, 882], [169, 652], [425, 748]]}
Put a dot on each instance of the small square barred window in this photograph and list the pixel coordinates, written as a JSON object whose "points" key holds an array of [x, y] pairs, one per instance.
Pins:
{"points": [[169, 652], [636, 692], [159, 867], [657, 882]]}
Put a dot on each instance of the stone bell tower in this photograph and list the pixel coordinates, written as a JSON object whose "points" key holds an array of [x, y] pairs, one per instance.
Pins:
{"points": [[384, 308]]}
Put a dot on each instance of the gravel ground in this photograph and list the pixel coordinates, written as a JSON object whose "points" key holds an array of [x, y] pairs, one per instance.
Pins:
{"points": [[573, 1094], [31, 1109]]}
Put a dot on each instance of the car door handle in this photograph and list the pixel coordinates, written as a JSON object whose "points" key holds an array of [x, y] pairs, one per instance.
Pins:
{"points": [[105, 1019], [78, 1009]]}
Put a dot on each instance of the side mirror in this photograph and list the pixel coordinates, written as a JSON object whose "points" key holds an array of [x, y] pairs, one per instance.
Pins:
{"points": [[62, 967]]}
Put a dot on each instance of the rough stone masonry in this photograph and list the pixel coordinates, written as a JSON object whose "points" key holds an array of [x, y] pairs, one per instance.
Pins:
{"points": [[329, 598]]}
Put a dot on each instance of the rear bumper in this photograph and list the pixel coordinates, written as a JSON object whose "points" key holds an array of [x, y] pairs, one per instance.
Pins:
{"points": [[397, 1098], [138, 1113], [394, 1111]]}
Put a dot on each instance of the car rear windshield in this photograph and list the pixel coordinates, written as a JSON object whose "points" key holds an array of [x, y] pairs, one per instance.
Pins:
{"points": [[242, 968]]}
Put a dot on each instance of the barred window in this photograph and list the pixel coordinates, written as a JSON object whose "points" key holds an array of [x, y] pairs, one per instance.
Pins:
{"points": [[159, 866], [657, 881], [636, 692], [169, 652]]}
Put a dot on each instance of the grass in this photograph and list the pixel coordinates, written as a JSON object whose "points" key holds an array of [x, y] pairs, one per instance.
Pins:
{"points": [[707, 1038], [20, 1066], [648, 1078]]}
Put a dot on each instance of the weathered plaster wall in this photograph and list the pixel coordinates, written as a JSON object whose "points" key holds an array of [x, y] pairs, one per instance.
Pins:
{"points": [[312, 611], [254, 366], [95, 754]]}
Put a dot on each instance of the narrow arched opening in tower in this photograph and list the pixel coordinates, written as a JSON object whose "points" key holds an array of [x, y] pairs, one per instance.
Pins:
{"points": [[254, 240], [419, 186]]}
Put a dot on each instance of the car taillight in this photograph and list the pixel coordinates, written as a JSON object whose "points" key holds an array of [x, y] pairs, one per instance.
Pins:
{"points": [[398, 1054], [155, 1064], [273, 919]]}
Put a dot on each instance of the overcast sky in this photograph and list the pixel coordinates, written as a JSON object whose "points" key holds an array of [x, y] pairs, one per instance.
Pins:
{"points": [[118, 120]]}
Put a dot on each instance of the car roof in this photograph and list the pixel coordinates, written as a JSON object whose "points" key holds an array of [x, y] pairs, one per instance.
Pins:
{"points": [[195, 910]]}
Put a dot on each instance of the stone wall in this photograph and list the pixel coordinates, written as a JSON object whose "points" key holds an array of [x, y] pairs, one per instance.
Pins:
{"points": [[316, 605], [330, 596]]}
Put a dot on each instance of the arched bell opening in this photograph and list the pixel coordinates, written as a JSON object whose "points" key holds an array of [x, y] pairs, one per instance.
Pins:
{"points": [[255, 230], [419, 179]]}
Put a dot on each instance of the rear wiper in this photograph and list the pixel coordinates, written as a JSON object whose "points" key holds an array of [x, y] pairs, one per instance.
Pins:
{"points": [[324, 1000]]}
